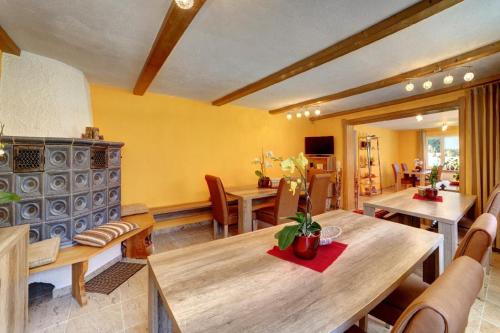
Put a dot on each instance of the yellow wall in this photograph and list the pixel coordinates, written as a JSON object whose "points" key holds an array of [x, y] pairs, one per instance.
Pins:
{"points": [[408, 148], [171, 143], [389, 149]]}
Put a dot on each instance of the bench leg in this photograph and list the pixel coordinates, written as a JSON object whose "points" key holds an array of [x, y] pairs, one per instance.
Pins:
{"points": [[139, 246], [78, 271]]}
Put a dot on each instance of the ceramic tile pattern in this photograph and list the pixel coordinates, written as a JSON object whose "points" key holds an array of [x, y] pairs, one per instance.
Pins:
{"points": [[125, 309]]}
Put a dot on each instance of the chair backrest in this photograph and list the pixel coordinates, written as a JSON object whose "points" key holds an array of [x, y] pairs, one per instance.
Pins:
{"points": [[478, 239], [219, 200], [404, 167], [287, 203], [444, 307], [395, 170], [318, 191], [493, 205]]}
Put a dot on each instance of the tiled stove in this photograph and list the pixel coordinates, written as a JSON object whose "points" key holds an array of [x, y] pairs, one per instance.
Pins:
{"points": [[66, 185]]}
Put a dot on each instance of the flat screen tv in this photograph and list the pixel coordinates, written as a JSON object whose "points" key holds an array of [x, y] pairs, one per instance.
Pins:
{"points": [[319, 145]]}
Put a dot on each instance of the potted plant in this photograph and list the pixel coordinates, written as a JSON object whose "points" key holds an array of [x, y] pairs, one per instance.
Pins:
{"points": [[264, 162], [304, 236], [432, 192]]}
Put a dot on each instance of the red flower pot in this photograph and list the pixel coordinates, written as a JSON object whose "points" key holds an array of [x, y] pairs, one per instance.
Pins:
{"points": [[306, 247], [264, 182], [431, 193]]}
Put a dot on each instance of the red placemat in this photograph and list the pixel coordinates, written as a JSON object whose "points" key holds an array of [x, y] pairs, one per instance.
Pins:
{"points": [[419, 197], [327, 254]]}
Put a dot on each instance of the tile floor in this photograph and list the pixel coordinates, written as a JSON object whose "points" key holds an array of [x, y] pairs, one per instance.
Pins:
{"points": [[125, 309]]}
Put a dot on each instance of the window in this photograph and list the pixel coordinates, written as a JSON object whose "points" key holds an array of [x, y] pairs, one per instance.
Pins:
{"points": [[443, 150]]}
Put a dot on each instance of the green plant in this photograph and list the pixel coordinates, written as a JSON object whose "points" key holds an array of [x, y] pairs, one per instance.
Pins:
{"points": [[433, 176], [456, 177], [295, 174], [7, 197], [264, 162]]}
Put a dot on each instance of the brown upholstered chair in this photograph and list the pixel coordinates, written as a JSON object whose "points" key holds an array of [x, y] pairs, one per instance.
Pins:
{"points": [[475, 245], [404, 181], [286, 204], [443, 307], [318, 192], [492, 207], [223, 214]]}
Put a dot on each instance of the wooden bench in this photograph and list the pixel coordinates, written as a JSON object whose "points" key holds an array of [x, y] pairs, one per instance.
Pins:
{"points": [[78, 256]]}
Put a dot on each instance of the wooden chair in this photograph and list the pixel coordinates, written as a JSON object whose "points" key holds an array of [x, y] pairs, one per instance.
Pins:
{"points": [[286, 204], [223, 214], [476, 245], [404, 181], [443, 307], [318, 192]]}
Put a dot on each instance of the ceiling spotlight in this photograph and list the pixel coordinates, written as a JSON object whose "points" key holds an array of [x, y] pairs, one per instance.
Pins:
{"points": [[298, 115], [289, 116], [185, 4], [307, 113], [419, 117], [427, 85], [448, 79], [469, 76], [410, 86], [444, 127], [317, 112]]}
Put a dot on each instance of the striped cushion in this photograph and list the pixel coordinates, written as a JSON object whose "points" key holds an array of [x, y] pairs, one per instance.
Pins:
{"points": [[104, 234]]}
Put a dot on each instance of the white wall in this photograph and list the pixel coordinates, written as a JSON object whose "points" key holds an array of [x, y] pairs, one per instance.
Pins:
{"points": [[40, 96], [43, 97]]}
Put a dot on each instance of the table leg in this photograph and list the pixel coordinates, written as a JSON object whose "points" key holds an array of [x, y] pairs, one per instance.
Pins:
{"points": [[159, 322], [244, 215], [368, 210], [450, 233], [433, 265]]}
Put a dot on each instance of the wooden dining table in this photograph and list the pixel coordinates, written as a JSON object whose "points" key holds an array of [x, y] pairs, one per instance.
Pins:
{"points": [[447, 213], [234, 285], [246, 196], [417, 173]]}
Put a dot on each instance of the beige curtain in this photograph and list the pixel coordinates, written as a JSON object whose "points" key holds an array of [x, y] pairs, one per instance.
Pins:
{"points": [[421, 145], [482, 143]]}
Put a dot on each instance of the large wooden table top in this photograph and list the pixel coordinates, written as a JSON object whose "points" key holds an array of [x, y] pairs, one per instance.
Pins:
{"points": [[251, 192], [233, 285], [450, 211]]}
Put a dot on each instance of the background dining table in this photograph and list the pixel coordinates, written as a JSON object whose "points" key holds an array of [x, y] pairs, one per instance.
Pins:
{"points": [[447, 213], [234, 285], [417, 173]]}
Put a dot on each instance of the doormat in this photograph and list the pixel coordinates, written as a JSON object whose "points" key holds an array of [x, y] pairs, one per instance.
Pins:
{"points": [[112, 278]]}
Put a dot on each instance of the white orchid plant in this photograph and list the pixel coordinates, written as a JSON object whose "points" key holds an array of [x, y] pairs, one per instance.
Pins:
{"points": [[264, 162], [295, 173], [5, 197]]}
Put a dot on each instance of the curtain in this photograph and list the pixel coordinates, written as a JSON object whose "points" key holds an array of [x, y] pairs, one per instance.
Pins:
{"points": [[421, 146], [482, 143]]}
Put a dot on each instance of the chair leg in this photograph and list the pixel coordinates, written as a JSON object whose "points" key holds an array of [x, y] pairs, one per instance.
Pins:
{"points": [[226, 230], [216, 229]]}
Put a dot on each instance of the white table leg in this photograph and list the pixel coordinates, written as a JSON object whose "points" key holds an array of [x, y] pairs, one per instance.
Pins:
{"points": [[450, 233], [158, 317], [244, 215], [368, 210], [422, 179]]}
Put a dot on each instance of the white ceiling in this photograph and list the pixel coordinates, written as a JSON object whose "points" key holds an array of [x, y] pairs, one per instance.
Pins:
{"points": [[433, 120], [232, 43]]}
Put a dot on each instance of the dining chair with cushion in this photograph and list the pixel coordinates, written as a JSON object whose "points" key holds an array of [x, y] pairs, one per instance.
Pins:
{"points": [[492, 207], [443, 307], [475, 245], [318, 193], [413, 178], [223, 214], [404, 181], [285, 205]]}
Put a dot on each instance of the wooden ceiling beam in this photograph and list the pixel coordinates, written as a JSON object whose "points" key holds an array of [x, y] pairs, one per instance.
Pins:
{"points": [[446, 64], [433, 93], [173, 27], [384, 28], [7, 45]]}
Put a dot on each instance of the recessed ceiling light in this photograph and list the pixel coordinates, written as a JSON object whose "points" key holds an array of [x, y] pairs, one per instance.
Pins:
{"points": [[419, 117], [317, 112], [185, 4], [448, 79], [289, 116], [298, 115], [427, 85], [444, 127], [469, 76], [307, 113], [410, 86]]}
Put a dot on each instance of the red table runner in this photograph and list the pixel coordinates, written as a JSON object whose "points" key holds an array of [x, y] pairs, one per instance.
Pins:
{"points": [[419, 197], [327, 254]]}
